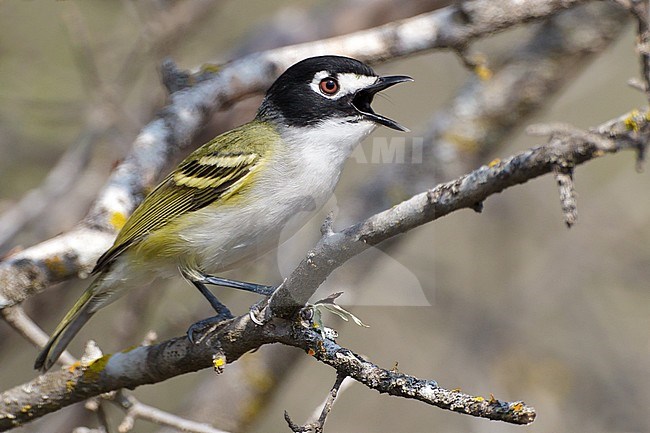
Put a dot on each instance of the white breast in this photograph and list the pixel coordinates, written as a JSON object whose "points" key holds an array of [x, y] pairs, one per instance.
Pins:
{"points": [[297, 182]]}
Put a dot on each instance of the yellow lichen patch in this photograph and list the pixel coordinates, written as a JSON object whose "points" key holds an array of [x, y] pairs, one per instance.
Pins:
{"points": [[26, 408], [70, 385], [311, 352], [72, 367], [517, 407], [92, 372], [494, 162], [493, 399], [117, 220], [631, 122], [55, 265], [483, 72], [218, 361], [479, 398], [210, 67]]}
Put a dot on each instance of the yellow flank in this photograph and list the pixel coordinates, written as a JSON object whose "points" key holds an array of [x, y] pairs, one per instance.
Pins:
{"points": [[214, 173]]}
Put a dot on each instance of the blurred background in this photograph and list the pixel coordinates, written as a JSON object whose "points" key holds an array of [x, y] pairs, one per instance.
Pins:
{"points": [[507, 302]]}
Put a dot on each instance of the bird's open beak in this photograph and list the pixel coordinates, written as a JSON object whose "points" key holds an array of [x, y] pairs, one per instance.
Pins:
{"points": [[363, 98]]}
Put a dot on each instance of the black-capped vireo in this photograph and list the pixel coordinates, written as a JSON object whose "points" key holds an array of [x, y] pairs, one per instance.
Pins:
{"points": [[228, 201]]}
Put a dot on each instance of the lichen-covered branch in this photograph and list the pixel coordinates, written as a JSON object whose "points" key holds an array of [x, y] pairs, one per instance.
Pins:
{"points": [[231, 339], [149, 364], [399, 384], [74, 253]]}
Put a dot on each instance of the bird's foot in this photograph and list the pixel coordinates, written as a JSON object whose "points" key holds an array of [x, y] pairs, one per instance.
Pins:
{"points": [[201, 328], [259, 312]]}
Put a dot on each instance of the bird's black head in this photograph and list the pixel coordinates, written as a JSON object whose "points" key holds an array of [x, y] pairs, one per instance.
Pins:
{"points": [[325, 88]]}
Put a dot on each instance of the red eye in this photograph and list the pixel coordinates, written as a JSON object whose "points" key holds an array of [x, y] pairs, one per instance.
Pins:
{"points": [[329, 86]]}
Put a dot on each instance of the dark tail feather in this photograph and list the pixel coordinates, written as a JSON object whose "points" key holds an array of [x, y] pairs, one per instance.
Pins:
{"points": [[60, 339]]}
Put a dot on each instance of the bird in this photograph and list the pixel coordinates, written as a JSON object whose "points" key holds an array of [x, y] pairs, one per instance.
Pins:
{"points": [[227, 202]]}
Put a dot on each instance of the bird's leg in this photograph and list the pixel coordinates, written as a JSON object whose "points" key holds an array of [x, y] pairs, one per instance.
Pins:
{"points": [[223, 313], [242, 285]]}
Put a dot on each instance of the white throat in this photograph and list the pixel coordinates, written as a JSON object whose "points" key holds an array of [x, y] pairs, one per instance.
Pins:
{"points": [[314, 155], [328, 143]]}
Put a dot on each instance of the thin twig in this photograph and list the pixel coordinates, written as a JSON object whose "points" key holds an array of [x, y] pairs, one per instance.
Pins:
{"points": [[17, 318], [317, 423], [137, 410], [564, 177], [640, 10], [58, 182]]}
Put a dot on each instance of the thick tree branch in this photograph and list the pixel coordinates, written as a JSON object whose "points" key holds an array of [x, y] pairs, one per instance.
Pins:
{"points": [[150, 364], [233, 338], [74, 253]]}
